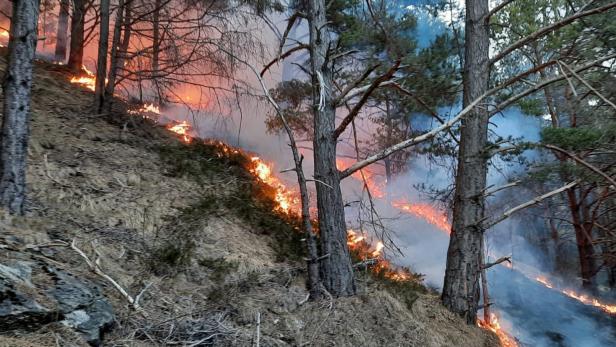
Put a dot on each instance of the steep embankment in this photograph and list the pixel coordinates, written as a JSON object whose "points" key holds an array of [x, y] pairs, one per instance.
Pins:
{"points": [[186, 230]]}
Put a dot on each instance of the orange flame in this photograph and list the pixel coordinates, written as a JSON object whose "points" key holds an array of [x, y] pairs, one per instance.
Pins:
{"points": [[87, 80], [611, 309], [544, 281], [150, 108], [285, 198], [583, 298], [494, 326], [426, 212], [181, 129], [366, 252]]}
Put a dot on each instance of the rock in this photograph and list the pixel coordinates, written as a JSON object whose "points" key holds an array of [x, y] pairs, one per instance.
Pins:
{"points": [[20, 272], [19, 310], [75, 302], [84, 307]]}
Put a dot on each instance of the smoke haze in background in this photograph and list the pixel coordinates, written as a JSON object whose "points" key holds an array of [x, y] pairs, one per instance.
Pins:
{"points": [[537, 315]]}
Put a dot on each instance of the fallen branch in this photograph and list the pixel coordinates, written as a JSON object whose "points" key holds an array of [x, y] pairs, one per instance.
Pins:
{"points": [[97, 270], [258, 338], [366, 263]]}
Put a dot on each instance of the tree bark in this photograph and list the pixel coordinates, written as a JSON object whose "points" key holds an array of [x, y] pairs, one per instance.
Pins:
{"points": [[62, 34], [461, 285], [336, 267], [101, 63], [75, 57], [116, 55], [583, 237], [156, 49], [17, 86]]}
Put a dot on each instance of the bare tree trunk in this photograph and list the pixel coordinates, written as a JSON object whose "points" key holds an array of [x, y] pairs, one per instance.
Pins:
{"points": [[75, 57], [61, 37], [484, 286], [336, 267], [156, 48], [101, 63], [17, 86], [583, 236], [461, 285], [116, 59]]}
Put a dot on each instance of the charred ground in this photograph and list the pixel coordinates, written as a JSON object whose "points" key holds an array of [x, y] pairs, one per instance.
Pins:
{"points": [[190, 223]]}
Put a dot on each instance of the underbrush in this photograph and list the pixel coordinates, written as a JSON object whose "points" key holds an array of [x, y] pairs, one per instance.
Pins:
{"points": [[246, 197], [254, 202]]}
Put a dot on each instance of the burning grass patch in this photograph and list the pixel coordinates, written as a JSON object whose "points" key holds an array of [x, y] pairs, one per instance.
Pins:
{"points": [[243, 194]]}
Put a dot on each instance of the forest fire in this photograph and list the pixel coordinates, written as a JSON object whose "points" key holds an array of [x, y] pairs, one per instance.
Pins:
{"points": [[584, 299], [544, 281], [88, 79], [85, 81], [373, 256], [285, 198], [494, 326], [182, 128], [150, 108], [426, 212]]}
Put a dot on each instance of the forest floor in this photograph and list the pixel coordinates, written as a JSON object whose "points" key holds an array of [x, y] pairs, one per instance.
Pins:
{"points": [[190, 225]]}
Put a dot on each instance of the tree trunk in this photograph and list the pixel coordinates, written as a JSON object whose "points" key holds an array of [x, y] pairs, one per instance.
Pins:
{"points": [[101, 63], [17, 87], [336, 267], [61, 37], [75, 57], [583, 226], [116, 59], [461, 285], [156, 49]]}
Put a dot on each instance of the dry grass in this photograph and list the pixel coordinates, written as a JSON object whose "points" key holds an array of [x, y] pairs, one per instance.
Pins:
{"points": [[105, 184]]}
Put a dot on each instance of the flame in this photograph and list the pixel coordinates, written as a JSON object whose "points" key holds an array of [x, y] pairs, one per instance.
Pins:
{"points": [[611, 309], [285, 198], [378, 250], [544, 281], [150, 108], [4, 34], [377, 189], [88, 79], [493, 325], [182, 129], [428, 212], [583, 298], [373, 256]]}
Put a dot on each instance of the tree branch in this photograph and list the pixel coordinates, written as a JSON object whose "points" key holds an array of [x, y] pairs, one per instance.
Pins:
{"points": [[584, 163], [410, 142], [373, 86], [548, 29], [283, 56], [547, 82], [496, 9], [355, 84], [497, 261], [529, 203]]}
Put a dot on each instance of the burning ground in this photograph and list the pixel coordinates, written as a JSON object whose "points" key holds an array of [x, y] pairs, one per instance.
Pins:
{"points": [[199, 227]]}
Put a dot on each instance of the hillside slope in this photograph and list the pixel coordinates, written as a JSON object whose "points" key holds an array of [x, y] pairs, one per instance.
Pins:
{"points": [[186, 229]]}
